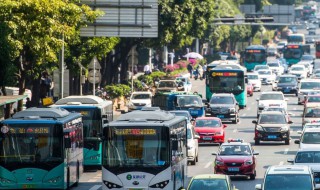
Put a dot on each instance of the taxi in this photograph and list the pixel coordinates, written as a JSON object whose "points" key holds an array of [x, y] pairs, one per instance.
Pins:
{"points": [[236, 157], [210, 181]]}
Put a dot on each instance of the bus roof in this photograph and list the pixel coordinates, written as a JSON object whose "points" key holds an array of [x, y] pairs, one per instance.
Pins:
{"points": [[145, 117], [256, 47], [38, 115], [83, 100]]}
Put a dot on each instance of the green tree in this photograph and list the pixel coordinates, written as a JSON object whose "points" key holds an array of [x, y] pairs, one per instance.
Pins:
{"points": [[35, 28]]}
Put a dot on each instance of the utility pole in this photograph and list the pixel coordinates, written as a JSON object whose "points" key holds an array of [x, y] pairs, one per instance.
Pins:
{"points": [[61, 68]]}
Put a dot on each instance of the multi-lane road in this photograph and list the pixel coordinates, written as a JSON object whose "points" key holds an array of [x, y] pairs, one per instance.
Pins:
{"points": [[270, 153]]}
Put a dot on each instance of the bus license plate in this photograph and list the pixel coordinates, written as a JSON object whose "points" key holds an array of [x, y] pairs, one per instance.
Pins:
{"points": [[272, 137], [233, 169], [194, 112], [28, 186], [220, 116], [207, 138]]}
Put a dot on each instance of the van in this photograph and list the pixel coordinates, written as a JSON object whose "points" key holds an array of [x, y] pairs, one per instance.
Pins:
{"points": [[288, 177]]}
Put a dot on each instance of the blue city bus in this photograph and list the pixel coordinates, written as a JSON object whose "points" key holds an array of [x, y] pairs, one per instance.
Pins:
{"points": [[95, 112], [293, 53], [41, 148], [145, 149], [180, 101], [255, 55], [224, 79]]}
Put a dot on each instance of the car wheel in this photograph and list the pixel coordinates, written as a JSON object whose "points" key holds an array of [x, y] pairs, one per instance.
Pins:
{"points": [[296, 94], [253, 176], [257, 142], [193, 162], [235, 121], [299, 103], [197, 158], [287, 142]]}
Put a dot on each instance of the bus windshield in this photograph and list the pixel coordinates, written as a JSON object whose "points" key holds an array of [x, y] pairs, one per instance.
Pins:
{"points": [[31, 145], [226, 84], [255, 57], [292, 53], [189, 101], [288, 181], [310, 85], [137, 147]]}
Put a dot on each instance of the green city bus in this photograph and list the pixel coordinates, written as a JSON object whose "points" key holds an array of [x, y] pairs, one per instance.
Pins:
{"points": [[255, 55]]}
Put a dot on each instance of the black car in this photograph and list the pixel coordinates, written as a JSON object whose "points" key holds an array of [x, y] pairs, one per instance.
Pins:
{"points": [[288, 84], [224, 106], [272, 126]]}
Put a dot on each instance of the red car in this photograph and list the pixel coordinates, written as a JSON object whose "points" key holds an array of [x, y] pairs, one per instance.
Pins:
{"points": [[236, 158], [210, 129], [250, 89]]}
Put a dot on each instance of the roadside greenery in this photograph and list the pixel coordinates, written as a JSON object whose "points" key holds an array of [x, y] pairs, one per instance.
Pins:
{"points": [[118, 90]]}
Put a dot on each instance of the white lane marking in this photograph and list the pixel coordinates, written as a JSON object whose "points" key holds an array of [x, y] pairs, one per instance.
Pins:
{"points": [[286, 151], [295, 108], [249, 108], [92, 180], [235, 130], [281, 163], [208, 165], [244, 114], [96, 187]]}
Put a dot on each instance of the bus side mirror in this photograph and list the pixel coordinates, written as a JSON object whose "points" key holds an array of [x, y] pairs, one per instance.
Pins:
{"points": [[67, 142]]}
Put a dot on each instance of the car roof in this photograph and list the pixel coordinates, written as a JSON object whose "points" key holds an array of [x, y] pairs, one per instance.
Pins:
{"points": [[311, 130], [310, 80], [271, 113], [288, 76], [297, 65], [308, 149], [179, 111], [235, 143], [289, 169], [141, 92], [207, 118], [252, 74], [271, 92], [222, 94], [210, 176]]}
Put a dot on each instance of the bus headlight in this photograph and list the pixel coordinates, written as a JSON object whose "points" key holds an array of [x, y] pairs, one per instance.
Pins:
{"points": [[95, 157], [111, 185], [160, 185], [54, 180], [232, 110], [4, 180]]}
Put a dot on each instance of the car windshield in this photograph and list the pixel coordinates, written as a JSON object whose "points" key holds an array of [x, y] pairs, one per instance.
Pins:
{"points": [[297, 68], [273, 64], [317, 71], [170, 84], [271, 97], [308, 157], [221, 100], [253, 77], [235, 150], [288, 181], [310, 85], [140, 96], [272, 119], [259, 67], [312, 112], [287, 80], [311, 138], [264, 72], [211, 183], [307, 57], [207, 123], [314, 99]]}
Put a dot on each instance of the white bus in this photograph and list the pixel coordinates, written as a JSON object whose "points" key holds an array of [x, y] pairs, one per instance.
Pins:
{"points": [[145, 149], [95, 112], [296, 39]]}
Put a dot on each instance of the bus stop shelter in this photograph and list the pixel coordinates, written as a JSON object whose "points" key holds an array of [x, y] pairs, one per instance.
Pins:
{"points": [[6, 105]]}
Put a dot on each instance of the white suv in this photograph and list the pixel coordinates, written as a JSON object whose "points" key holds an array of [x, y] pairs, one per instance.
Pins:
{"points": [[306, 86], [193, 145], [276, 67], [310, 138], [271, 99], [288, 177], [139, 100], [254, 79]]}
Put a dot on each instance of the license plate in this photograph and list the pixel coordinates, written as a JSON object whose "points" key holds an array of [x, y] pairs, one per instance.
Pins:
{"points": [[233, 169], [286, 90], [272, 137], [28, 186], [220, 116], [207, 138], [194, 112]]}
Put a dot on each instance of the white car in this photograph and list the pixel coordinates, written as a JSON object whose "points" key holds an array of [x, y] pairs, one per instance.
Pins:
{"points": [[271, 99], [140, 99], [307, 65], [254, 79], [266, 76], [309, 157], [276, 67], [299, 70], [187, 85], [275, 83], [260, 67], [305, 87], [193, 145], [281, 45], [310, 138]]}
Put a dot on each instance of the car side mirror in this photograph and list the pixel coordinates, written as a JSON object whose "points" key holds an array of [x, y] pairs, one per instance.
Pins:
{"points": [[196, 136], [299, 132], [290, 122], [255, 153], [254, 121], [290, 160], [258, 187], [214, 153], [224, 125], [257, 99], [296, 141]]}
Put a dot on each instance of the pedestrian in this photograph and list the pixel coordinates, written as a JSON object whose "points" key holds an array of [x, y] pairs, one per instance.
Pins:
{"points": [[204, 68], [147, 69], [135, 69], [190, 69], [28, 103]]}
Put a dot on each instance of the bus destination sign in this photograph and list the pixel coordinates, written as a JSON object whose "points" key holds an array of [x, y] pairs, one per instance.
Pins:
{"points": [[224, 74], [29, 130], [135, 132], [253, 51], [293, 46]]}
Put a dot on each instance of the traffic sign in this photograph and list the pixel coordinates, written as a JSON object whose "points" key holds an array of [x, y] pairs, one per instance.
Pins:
{"points": [[97, 75], [94, 64]]}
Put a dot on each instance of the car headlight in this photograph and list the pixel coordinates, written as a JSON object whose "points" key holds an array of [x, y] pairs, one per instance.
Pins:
{"points": [[111, 185], [219, 133], [261, 105], [160, 185], [232, 110], [259, 128], [219, 163], [54, 180], [4, 180], [248, 162], [284, 128]]}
